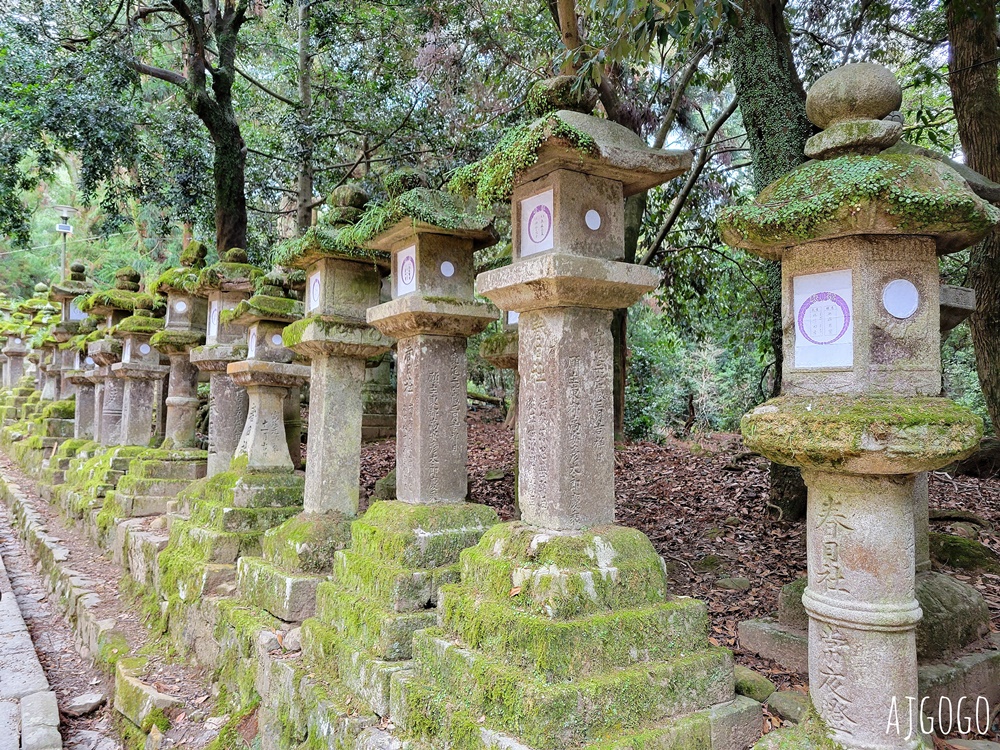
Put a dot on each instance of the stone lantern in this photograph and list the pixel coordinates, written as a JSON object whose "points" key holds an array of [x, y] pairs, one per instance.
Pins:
{"points": [[65, 295], [15, 350], [82, 376], [342, 283], [858, 233], [565, 569], [141, 370], [432, 312], [267, 374], [225, 284], [184, 329], [111, 306]]}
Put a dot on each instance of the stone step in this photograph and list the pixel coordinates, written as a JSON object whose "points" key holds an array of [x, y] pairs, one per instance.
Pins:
{"points": [[367, 677], [220, 547], [288, 596], [400, 589], [140, 506], [142, 551], [577, 648], [561, 714], [156, 469], [241, 520], [420, 537], [145, 486], [386, 634]]}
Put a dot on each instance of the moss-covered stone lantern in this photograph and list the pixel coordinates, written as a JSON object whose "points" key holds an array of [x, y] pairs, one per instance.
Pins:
{"points": [[859, 232], [342, 282], [565, 572], [141, 370], [267, 374], [111, 306], [15, 349], [225, 284], [64, 295], [82, 376], [184, 329]]}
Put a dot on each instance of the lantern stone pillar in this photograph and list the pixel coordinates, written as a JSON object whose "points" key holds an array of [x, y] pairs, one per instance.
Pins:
{"points": [[15, 350], [64, 295], [225, 284], [140, 369], [860, 412], [82, 377]]}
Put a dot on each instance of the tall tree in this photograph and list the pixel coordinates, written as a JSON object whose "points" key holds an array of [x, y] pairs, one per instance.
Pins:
{"points": [[773, 104], [975, 91]]}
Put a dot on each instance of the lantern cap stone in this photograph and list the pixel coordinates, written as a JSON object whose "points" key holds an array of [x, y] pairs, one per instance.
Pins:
{"points": [[334, 335], [862, 435], [325, 242], [231, 274], [415, 314], [857, 91], [881, 194], [404, 180], [264, 307], [422, 210], [71, 289], [568, 140]]}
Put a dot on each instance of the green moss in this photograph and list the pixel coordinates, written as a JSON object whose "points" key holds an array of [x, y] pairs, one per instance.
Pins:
{"points": [[923, 195], [307, 542], [967, 554], [118, 299], [424, 205], [182, 279], [264, 307], [809, 734], [324, 241], [111, 646], [140, 324], [229, 737], [826, 431], [420, 536], [492, 178], [172, 340], [65, 409], [495, 344], [225, 274]]}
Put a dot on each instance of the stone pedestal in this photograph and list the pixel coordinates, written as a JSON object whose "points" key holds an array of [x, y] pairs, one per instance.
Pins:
{"points": [[51, 373], [13, 371], [263, 442], [84, 422], [228, 403], [138, 392], [860, 305], [182, 401]]}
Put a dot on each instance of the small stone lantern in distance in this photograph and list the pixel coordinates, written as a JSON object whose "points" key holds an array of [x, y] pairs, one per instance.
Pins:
{"points": [[858, 233]]}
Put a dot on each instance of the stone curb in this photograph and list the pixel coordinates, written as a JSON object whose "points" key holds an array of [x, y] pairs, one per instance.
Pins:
{"points": [[69, 587]]}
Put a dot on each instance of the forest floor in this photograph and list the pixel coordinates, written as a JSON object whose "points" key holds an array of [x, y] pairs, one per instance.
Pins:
{"points": [[702, 501]]}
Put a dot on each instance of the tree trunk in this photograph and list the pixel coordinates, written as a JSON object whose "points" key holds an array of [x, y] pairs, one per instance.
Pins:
{"points": [[635, 208], [975, 92], [229, 166], [303, 208], [773, 104]]}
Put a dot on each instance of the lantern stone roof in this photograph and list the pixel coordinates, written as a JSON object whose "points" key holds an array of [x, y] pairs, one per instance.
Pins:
{"points": [[856, 185], [77, 285], [185, 277], [566, 139], [231, 274], [422, 209]]}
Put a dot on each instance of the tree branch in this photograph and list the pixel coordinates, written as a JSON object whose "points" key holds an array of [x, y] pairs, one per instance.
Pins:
{"points": [[675, 102], [266, 90], [693, 175], [153, 72]]}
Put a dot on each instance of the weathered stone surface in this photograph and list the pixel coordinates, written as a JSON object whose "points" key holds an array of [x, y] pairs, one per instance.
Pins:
{"points": [[560, 279], [10, 725], [40, 722], [140, 703], [752, 684], [565, 440], [850, 92], [84, 704], [853, 136], [789, 704], [287, 596], [431, 442]]}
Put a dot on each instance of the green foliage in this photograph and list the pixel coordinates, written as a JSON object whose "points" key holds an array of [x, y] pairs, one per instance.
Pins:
{"points": [[673, 379], [961, 383]]}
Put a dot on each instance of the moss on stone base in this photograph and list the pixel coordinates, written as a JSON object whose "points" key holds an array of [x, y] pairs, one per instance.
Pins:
{"points": [[306, 543], [960, 552]]}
